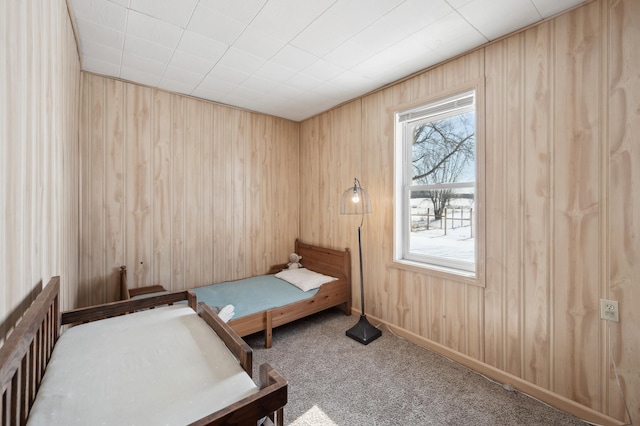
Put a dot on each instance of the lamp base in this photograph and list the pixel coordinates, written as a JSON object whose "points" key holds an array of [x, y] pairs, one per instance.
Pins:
{"points": [[363, 331]]}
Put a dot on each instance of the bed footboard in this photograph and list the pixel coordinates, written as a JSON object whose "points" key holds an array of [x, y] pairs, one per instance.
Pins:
{"points": [[26, 353], [271, 398]]}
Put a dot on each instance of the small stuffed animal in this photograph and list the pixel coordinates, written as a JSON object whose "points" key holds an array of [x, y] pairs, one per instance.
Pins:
{"points": [[294, 261]]}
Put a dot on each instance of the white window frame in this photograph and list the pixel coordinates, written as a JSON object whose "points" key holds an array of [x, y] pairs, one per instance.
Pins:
{"points": [[434, 109]]}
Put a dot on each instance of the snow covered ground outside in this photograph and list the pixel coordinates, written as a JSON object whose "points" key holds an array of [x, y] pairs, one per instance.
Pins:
{"points": [[457, 244]]}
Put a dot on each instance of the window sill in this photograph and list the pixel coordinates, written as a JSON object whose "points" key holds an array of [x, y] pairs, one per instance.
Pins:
{"points": [[439, 271]]}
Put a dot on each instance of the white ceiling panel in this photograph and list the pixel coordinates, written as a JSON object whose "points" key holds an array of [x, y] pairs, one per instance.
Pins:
{"points": [[140, 63], [152, 29], [175, 12], [179, 86], [103, 52], [348, 18], [259, 84], [215, 25], [274, 72], [189, 77], [290, 58], [229, 75], [216, 88], [101, 12], [141, 77], [199, 45], [99, 33], [242, 11], [515, 13], [294, 58], [241, 61], [318, 39], [284, 19], [303, 82], [259, 43], [98, 66], [148, 49], [323, 70], [193, 63]]}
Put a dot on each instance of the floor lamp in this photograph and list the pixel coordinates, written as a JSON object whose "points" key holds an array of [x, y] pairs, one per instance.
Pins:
{"points": [[355, 200]]}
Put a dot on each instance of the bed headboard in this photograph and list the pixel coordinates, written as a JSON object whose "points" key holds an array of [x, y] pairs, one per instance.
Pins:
{"points": [[26, 353], [336, 263]]}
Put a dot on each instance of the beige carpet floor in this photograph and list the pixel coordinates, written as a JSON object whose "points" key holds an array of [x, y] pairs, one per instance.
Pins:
{"points": [[334, 380]]}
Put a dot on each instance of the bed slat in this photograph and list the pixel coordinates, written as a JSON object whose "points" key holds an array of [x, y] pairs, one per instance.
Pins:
{"points": [[27, 350]]}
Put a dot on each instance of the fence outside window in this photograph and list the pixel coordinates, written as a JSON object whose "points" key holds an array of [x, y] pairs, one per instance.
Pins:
{"points": [[452, 218]]}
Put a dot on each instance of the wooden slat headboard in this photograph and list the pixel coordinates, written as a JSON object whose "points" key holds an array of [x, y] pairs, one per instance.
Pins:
{"points": [[336, 263]]}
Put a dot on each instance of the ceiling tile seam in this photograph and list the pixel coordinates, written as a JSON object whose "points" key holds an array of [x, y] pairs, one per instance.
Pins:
{"points": [[124, 37], [533, 3], [470, 24], [354, 35], [173, 51], [288, 43], [226, 50]]}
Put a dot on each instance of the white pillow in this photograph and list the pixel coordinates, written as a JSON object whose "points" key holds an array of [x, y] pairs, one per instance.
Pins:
{"points": [[304, 279]]}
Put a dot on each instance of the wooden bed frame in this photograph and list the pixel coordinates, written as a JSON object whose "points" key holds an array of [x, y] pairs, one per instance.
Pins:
{"points": [[336, 263], [27, 351]]}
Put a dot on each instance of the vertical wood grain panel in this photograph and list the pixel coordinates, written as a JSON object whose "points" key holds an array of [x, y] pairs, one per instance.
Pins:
{"points": [[624, 205], [161, 184], [193, 215], [96, 292], [114, 185], [237, 150], [513, 75], [576, 203], [220, 194], [39, 110], [138, 183], [536, 205], [455, 323], [209, 201], [256, 128], [494, 297], [178, 172], [85, 247]]}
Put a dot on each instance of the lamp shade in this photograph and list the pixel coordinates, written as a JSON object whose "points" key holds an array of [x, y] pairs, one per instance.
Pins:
{"points": [[355, 200]]}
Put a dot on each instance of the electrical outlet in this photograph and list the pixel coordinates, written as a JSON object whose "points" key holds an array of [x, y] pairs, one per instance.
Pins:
{"points": [[609, 310]]}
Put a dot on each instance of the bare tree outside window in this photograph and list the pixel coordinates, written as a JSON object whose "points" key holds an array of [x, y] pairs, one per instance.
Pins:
{"points": [[443, 151]]}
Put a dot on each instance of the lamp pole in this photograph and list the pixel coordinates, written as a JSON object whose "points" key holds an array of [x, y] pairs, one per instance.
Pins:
{"points": [[363, 331]]}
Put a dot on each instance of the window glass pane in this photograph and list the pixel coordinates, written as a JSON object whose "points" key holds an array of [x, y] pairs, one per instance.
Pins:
{"points": [[444, 229], [443, 151]]}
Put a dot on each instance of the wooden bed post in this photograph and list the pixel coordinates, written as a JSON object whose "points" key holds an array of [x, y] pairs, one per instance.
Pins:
{"points": [[268, 331]]}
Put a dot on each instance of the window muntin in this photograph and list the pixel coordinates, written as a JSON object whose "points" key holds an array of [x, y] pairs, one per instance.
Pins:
{"points": [[436, 184]]}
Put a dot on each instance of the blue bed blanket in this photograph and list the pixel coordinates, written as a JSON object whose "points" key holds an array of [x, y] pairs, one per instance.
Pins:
{"points": [[251, 295]]}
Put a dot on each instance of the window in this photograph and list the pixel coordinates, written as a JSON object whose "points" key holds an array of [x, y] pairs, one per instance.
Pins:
{"points": [[435, 184]]}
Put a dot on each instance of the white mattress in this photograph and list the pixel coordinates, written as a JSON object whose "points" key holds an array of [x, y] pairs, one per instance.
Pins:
{"points": [[163, 366]]}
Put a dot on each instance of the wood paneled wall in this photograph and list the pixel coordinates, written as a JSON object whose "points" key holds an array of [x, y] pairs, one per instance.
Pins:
{"points": [[39, 95], [182, 191], [561, 202]]}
